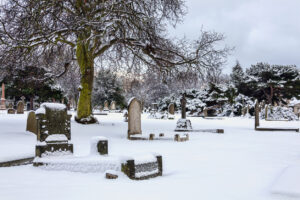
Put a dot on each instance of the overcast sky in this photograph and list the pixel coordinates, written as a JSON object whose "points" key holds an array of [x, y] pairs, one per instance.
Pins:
{"points": [[260, 30]]}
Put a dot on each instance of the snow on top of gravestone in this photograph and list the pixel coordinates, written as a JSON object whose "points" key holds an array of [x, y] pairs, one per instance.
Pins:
{"points": [[56, 137], [54, 106], [130, 100], [144, 158], [41, 110]]}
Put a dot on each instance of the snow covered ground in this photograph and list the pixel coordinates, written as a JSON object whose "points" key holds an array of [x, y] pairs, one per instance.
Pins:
{"points": [[239, 165]]}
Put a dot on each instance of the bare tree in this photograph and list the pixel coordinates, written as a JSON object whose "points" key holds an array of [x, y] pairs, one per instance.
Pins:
{"points": [[132, 31]]}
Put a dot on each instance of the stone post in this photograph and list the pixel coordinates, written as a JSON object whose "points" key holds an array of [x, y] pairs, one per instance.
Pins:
{"points": [[256, 111], [266, 112], [183, 106]]}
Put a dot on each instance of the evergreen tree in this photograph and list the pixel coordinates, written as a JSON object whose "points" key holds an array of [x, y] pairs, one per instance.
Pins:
{"points": [[107, 87]]}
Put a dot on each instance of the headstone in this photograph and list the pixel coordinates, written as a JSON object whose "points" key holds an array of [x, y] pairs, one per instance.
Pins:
{"points": [[266, 111], [256, 112], [31, 122], [99, 145], [244, 111], [171, 109], [23, 99], [10, 105], [11, 111], [3, 105], [113, 105], [53, 129], [20, 107], [183, 124], [106, 105], [154, 107], [205, 114], [134, 117]]}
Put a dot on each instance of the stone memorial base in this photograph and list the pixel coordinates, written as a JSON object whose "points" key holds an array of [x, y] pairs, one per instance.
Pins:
{"points": [[53, 148], [11, 111], [183, 125]]}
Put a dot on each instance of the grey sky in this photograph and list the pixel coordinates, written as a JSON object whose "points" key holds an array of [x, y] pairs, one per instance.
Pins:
{"points": [[260, 30]]}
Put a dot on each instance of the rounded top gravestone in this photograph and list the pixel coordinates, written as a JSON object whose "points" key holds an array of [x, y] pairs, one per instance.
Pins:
{"points": [[134, 117]]}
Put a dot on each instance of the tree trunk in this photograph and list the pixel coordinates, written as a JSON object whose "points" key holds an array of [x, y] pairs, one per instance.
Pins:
{"points": [[86, 64]]}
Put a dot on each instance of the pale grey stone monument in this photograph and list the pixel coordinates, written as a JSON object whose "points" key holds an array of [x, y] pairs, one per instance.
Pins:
{"points": [[134, 117], [105, 106], [113, 105]]}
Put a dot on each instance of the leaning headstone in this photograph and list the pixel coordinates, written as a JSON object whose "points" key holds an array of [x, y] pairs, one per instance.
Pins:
{"points": [[106, 105], [31, 125], [113, 105], [134, 117], [53, 129], [183, 124], [20, 107]]}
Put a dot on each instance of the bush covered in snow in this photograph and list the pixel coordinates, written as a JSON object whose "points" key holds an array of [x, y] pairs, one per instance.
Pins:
{"points": [[279, 113]]}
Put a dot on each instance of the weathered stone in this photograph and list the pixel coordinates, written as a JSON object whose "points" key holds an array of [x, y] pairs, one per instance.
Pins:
{"points": [[177, 138], [53, 129], [266, 111], [183, 125], [134, 117], [11, 111], [106, 105], [125, 115], [205, 114], [256, 111], [20, 107], [10, 105], [31, 122], [151, 136], [110, 175], [132, 170], [113, 105], [161, 135], [171, 109], [102, 147], [183, 106]]}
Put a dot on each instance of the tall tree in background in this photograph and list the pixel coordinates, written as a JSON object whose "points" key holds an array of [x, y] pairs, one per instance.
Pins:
{"points": [[98, 29]]}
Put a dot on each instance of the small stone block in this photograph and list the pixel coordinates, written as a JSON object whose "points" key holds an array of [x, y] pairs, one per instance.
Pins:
{"points": [[102, 147], [221, 131], [161, 135], [151, 136], [109, 175], [177, 137]]}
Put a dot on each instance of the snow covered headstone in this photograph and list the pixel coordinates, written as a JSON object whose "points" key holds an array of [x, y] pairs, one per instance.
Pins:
{"points": [[183, 124], [53, 129], [134, 117], [20, 107]]}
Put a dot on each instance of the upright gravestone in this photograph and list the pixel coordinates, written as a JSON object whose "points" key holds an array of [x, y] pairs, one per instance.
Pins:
{"points": [[10, 105], [134, 117], [183, 124], [3, 105], [266, 111], [256, 112], [31, 125], [171, 111], [205, 114], [20, 107], [113, 105], [106, 105], [53, 129]]}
